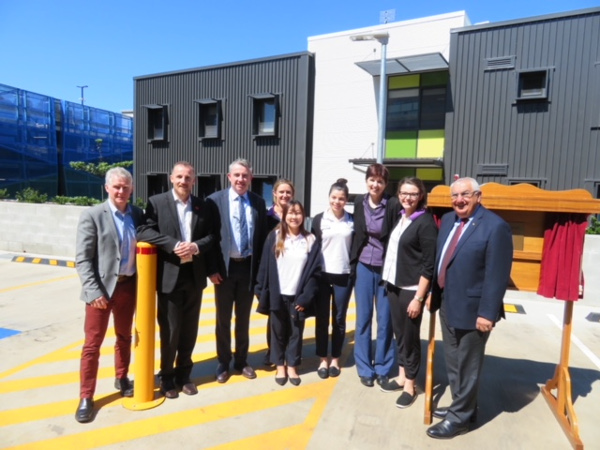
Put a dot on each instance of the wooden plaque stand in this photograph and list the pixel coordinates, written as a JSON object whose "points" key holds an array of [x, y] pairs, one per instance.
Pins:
{"points": [[525, 207]]}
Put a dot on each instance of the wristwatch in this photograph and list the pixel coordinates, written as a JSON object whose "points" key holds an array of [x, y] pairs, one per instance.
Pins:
{"points": [[420, 299]]}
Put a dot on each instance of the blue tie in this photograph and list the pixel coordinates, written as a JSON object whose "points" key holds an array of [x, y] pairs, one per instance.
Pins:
{"points": [[243, 228]]}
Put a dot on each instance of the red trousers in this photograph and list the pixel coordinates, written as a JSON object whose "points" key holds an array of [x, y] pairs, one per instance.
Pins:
{"points": [[122, 306]]}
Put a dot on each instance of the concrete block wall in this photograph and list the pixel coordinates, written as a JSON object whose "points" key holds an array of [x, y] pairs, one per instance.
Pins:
{"points": [[44, 229]]}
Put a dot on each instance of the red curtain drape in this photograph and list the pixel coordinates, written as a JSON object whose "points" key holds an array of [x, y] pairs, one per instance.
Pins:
{"points": [[560, 273]]}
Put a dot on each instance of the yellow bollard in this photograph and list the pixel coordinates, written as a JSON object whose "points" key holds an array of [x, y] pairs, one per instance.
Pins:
{"points": [[145, 318]]}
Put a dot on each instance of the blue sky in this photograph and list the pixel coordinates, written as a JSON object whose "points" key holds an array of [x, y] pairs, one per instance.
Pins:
{"points": [[50, 47]]}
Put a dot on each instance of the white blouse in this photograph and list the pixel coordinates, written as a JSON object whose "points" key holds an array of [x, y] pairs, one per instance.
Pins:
{"points": [[291, 262], [336, 242]]}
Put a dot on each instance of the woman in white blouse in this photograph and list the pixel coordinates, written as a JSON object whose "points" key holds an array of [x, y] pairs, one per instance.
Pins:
{"points": [[333, 229], [286, 288]]}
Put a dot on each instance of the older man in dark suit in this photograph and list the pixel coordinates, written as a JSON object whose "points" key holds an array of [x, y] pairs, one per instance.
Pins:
{"points": [[243, 232], [184, 228], [472, 270], [105, 261]]}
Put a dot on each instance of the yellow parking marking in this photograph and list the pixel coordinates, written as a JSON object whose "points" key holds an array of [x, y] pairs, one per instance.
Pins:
{"points": [[37, 283], [516, 309]]}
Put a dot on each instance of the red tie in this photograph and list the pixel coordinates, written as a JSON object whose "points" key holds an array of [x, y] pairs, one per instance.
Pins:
{"points": [[449, 252]]}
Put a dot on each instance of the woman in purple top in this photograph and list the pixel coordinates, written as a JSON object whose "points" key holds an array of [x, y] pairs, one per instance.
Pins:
{"points": [[367, 258]]}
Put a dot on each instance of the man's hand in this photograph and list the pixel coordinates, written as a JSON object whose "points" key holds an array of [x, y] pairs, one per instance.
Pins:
{"points": [[484, 325], [185, 250], [99, 303], [215, 278]]}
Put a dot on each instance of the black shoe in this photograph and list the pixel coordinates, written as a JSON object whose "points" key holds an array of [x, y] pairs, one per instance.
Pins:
{"points": [[168, 389], [390, 386], [295, 381], [442, 412], [382, 379], [323, 373], [85, 410], [334, 371], [405, 400], [446, 430], [124, 386], [281, 380], [367, 381]]}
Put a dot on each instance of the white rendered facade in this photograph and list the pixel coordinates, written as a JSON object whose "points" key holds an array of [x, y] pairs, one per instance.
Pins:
{"points": [[346, 96]]}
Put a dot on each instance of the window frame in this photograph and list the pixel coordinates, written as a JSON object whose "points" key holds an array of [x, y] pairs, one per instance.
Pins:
{"points": [[419, 113], [203, 105], [152, 120], [258, 103], [528, 75]]}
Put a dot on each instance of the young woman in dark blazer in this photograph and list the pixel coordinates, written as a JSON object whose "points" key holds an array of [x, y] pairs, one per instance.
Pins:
{"points": [[333, 229], [286, 288], [407, 272]]}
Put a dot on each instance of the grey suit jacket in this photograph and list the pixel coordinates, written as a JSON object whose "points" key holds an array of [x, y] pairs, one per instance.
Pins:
{"points": [[161, 228], [98, 253], [259, 218]]}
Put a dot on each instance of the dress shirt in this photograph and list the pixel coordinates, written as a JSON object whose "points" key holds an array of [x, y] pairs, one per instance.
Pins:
{"points": [[127, 241], [234, 220], [391, 256]]}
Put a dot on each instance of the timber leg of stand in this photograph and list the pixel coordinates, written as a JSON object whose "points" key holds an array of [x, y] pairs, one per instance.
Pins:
{"points": [[427, 418]]}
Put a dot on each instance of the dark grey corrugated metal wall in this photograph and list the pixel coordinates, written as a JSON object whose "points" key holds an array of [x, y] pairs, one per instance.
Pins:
{"points": [[552, 141], [288, 155]]}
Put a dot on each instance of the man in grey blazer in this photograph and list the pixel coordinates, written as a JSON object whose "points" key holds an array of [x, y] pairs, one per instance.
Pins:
{"points": [[243, 218], [184, 228], [105, 261]]}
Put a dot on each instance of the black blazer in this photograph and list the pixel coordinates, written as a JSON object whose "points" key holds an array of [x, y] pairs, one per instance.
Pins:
{"points": [[416, 248], [361, 237], [267, 287], [161, 228], [220, 200]]}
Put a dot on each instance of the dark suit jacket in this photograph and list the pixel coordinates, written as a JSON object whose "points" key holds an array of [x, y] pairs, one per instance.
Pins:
{"points": [[268, 289], [161, 228], [98, 251], [416, 248], [478, 274], [259, 218]]}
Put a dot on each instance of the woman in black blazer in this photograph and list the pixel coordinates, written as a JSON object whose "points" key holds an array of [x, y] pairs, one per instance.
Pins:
{"points": [[407, 272]]}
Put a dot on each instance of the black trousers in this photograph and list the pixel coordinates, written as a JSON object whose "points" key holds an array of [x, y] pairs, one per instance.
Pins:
{"points": [[406, 330], [178, 317], [334, 295], [464, 351], [286, 335], [234, 294]]}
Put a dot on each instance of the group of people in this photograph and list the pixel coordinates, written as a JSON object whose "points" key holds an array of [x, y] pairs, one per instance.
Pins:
{"points": [[389, 251]]}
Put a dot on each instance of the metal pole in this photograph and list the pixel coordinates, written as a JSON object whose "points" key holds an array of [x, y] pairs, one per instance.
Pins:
{"points": [[382, 101], [82, 88]]}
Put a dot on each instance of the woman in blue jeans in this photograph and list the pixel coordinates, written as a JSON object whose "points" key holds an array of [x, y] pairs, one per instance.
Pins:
{"points": [[367, 255]]}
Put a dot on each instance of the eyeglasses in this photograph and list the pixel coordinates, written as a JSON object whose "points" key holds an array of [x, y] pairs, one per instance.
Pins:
{"points": [[467, 195], [410, 194]]}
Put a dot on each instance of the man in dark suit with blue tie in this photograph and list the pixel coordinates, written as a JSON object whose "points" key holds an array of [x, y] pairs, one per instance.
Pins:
{"points": [[243, 231], [184, 228], [472, 271]]}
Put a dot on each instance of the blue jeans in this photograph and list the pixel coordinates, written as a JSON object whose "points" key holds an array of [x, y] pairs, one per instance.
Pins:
{"points": [[369, 293]]}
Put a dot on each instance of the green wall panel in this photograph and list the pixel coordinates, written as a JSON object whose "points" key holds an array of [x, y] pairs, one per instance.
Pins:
{"points": [[401, 144]]}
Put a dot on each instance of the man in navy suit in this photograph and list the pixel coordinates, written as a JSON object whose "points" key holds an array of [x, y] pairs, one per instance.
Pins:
{"points": [[184, 228], [243, 216], [472, 271]]}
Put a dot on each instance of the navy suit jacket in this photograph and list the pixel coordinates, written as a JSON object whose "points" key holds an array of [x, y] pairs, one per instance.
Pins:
{"points": [[161, 228], [479, 272], [259, 219]]}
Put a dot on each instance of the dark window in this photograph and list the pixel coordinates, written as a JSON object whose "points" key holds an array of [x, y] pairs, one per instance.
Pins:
{"points": [[157, 184], [533, 182], [208, 184], [210, 119], [533, 85], [416, 109], [157, 122], [265, 115], [263, 186]]}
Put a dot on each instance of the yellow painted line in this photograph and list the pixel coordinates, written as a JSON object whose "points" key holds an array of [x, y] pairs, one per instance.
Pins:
{"points": [[71, 264], [36, 260], [125, 432], [515, 309], [19, 259], [53, 262], [37, 283]]}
